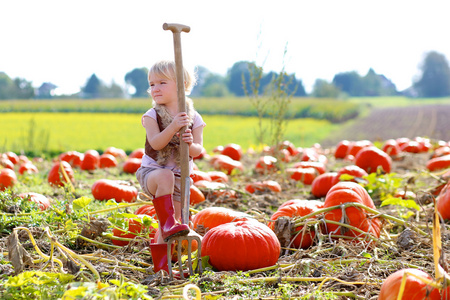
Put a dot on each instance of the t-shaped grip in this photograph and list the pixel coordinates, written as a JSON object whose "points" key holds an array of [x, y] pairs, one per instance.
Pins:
{"points": [[176, 28]]}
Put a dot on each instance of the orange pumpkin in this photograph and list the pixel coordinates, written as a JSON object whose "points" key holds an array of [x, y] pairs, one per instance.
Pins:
{"points": [[42, 201], [105, 189], [439, 163], [116, 152], [370, 158], [131, 165], [232, 150], [8, 179], [344, 192], [107, 161], [305, 175], [354, 172], [91, 160], [443, 202], [415, 289], [242, 245], [299, 208], [214, 216], [74, 158], [56, 175], [341, 149], [323, 183], [28, 168]]}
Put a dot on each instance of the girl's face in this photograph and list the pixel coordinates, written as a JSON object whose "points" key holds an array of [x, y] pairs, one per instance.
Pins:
{"points": [[163, 90]]}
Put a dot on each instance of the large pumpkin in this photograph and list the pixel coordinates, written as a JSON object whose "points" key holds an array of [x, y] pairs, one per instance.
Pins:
{"points": [[242, 245], [299, 208], [214, 216], [415, 289], [105, 189], [344, 192]]}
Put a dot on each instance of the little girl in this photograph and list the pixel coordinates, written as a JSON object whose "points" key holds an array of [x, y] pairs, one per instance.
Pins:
{"points": [[159, 174]]}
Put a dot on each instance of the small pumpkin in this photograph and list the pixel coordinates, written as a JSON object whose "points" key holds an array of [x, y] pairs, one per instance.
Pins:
{"points": [[391, 147], [74, 158], [443, 202], [28, 168], [56, 175], [134, 228], [323, 183], [131, 165], [242, 245], [352, 173], [196, 196], [198, 175], [91, 160], [218, 176], [300, 208], [341, 149], [226, 164], [305, 175], [266, 164], [371, 158], [13, 157], [232, 150], [107, 161], [263, 186], [42, 201], [438, 163], [105, 189], [137, 153], [116, 152], [319, 166], [8, 179], [415, 289]]}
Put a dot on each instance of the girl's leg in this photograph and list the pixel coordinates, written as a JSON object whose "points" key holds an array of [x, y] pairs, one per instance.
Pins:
{"points": [[161, 184]]}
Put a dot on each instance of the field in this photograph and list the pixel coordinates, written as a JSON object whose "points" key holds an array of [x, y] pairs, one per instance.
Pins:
{"points": [[68, 251], [54, 133]]}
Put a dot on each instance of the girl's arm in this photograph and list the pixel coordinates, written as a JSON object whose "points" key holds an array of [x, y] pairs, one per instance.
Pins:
{"points": [[196, 147], [159, 139]]}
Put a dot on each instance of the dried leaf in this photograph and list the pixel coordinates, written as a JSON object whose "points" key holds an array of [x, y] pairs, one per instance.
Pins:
{"points": [[17, 255], [283, 230]]}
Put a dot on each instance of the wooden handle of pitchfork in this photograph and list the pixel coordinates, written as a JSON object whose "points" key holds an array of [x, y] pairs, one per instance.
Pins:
{"points": [[184, 149]]}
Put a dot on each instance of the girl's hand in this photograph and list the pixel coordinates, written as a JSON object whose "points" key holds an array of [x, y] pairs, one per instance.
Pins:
{"points": [[180, 120], [187, 137]]}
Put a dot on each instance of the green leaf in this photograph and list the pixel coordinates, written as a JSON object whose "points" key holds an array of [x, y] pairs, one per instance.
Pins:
{"points": [[401, 202], [81, 203]]}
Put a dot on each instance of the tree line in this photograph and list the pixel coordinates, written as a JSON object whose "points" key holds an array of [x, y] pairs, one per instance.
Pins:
{"points": [[433, 82]]}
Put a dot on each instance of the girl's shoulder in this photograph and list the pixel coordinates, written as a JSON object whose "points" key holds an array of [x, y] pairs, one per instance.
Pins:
{"points": [[150, 113]]}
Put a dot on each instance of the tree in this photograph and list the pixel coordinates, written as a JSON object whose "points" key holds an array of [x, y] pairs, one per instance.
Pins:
{"points": [[112, 91], [239, 72], [349, 82], [23, 89], [92, 87], [435, 79], [324, 89], [138, 79], [6, 86]]}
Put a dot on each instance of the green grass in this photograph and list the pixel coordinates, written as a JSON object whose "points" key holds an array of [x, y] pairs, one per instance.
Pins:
{"points": [[329, 109], [54, 133]]}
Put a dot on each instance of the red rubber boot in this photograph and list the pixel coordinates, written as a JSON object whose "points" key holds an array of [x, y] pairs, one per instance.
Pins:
{"points": [[169, 226], [159, 257]]}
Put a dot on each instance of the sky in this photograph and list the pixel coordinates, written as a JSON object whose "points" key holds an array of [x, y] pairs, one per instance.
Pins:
{"points": [[64, 42]]}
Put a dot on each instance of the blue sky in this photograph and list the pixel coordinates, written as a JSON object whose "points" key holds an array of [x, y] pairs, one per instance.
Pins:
{"points": [[65, 42]]}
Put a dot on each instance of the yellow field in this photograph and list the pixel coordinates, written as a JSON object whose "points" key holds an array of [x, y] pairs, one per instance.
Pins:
{"points": [[59, 132]]}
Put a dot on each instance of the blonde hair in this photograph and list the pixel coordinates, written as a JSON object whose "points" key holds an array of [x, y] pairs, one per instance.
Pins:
{"points": [[166, 69]]}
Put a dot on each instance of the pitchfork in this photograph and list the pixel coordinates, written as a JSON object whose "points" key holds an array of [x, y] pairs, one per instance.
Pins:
{"points": [[184, 161]]}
